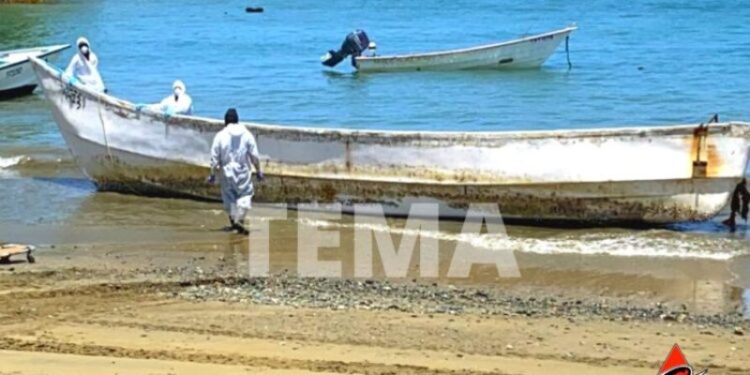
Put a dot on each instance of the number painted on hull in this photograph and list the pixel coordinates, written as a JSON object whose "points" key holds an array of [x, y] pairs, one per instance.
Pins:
{"points": [[542, 38], [74, 97], [14, 72]]}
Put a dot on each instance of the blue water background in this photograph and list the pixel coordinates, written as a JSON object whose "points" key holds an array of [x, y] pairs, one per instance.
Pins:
{"points": [[635, 63]]}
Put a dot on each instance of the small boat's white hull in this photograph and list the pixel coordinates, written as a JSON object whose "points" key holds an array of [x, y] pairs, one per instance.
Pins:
{"points": [[17, 78], [528, 52], [625, 202], [627, 175]]}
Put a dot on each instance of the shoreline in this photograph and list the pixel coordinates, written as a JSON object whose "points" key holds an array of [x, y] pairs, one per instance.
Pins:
{"points": [[128, 284], [113, 312], [430, 299]]}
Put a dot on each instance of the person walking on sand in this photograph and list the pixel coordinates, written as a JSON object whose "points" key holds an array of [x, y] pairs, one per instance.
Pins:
{"points": [[83, 67], [232, 152]]}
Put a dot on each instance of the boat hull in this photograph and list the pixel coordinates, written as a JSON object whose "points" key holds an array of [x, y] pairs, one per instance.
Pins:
{"points": [[17, 78], [603, 176], [17, 92], [524, 53], [622, 202]]}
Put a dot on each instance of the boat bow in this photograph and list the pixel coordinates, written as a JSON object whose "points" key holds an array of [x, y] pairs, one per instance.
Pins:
{"points": [[634, 174]]}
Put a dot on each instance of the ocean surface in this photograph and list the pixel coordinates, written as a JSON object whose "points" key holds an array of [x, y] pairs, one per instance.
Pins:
{"points": [[634, 63]]}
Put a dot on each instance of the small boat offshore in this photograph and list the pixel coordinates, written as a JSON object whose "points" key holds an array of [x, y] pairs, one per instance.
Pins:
{"points": [[646, 175], [16, 76], [523, 53]]}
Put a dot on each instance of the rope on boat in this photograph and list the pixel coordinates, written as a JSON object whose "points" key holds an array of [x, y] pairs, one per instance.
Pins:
{"points": [[740, 203], [104, 128], [567, 51]]}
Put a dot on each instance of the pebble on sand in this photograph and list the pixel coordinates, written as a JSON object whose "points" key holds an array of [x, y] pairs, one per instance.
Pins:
{"points": [[739, 331]]}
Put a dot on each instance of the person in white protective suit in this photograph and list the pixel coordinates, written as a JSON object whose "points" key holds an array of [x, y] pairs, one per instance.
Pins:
{"points": [[233, 151], [179, 103], [83, 67]]}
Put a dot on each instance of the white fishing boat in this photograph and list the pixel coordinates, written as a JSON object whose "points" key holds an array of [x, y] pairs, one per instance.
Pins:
{"points": [[527, 52], [651, 175], [16, 76]]}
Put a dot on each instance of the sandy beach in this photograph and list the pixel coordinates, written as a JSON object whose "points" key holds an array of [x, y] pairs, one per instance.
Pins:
{"points": [[130, 279], [165, 308], [132, 285]]}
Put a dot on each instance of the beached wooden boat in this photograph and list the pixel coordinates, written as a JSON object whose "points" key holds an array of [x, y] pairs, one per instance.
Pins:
{"points": [[16, 76], [639, 174], [527, 52]]}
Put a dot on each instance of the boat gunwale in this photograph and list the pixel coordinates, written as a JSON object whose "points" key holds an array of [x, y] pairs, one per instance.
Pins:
{"points": [[197, 122], [362, 178], [55, 49], [458, 51]]}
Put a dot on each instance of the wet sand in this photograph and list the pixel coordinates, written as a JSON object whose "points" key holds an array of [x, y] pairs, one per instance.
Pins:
{"points": [[137, 303], [134, 285]]}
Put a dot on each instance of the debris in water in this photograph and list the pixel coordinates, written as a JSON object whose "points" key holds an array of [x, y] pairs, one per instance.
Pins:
{"points": [[254, 9], [740, 203]]}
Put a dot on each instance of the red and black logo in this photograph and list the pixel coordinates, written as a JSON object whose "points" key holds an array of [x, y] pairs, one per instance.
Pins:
{"points": [[677, 364]]}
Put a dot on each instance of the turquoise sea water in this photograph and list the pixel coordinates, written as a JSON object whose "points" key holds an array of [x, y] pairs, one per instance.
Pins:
{"points": [[644, 62], [634, 63]]}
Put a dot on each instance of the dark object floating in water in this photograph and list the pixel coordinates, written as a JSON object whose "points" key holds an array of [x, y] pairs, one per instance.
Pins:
{"points": [[254, 9], [355, 43]]}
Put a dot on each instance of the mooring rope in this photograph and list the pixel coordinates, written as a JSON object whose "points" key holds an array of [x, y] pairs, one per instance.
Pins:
{"points": [[567, 51], [104, 128]]}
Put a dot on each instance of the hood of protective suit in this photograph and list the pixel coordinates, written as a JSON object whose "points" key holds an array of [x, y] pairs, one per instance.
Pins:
{"points": [[83, 41], [178, 87], [85, 69], [236, 129]]}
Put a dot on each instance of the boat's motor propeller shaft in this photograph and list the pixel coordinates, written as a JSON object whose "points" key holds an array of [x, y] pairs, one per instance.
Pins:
{"points": [[354, 44]]}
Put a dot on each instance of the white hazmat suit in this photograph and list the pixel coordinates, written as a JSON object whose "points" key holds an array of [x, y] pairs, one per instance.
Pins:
{"points": [[179, 103], [233, 151], [84, 68]]}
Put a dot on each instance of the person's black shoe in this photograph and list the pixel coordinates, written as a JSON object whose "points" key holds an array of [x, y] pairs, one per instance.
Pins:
{"points": [[241, 230], [232, 226]]}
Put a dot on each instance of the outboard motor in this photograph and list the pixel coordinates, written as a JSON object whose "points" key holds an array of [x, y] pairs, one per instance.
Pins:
{"points": [[354, 44]]}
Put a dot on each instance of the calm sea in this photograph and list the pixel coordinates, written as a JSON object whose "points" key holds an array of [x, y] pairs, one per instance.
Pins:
{"points": [[643, 62], [634, 63]]}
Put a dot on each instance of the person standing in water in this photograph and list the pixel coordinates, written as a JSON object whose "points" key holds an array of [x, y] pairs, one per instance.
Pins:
{"points": [[83, 67], [179, 103], [232, 152]]}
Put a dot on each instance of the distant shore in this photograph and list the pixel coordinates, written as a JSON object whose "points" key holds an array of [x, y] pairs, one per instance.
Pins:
{"points": [[27, 1]]}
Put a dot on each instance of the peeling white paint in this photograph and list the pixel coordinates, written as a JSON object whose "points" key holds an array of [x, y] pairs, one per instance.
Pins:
{"points": [[604, 175]]}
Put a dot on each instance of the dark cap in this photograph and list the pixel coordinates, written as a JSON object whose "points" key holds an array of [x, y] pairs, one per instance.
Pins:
{"points": [[231, 117]]}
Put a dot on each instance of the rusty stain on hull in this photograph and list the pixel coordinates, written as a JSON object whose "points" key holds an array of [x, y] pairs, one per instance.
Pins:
{"points": [[635, 174], [565, 201], [706, 159]]}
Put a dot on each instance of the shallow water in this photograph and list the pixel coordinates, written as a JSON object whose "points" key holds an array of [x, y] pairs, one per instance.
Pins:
{"points": [[643, 63]]}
